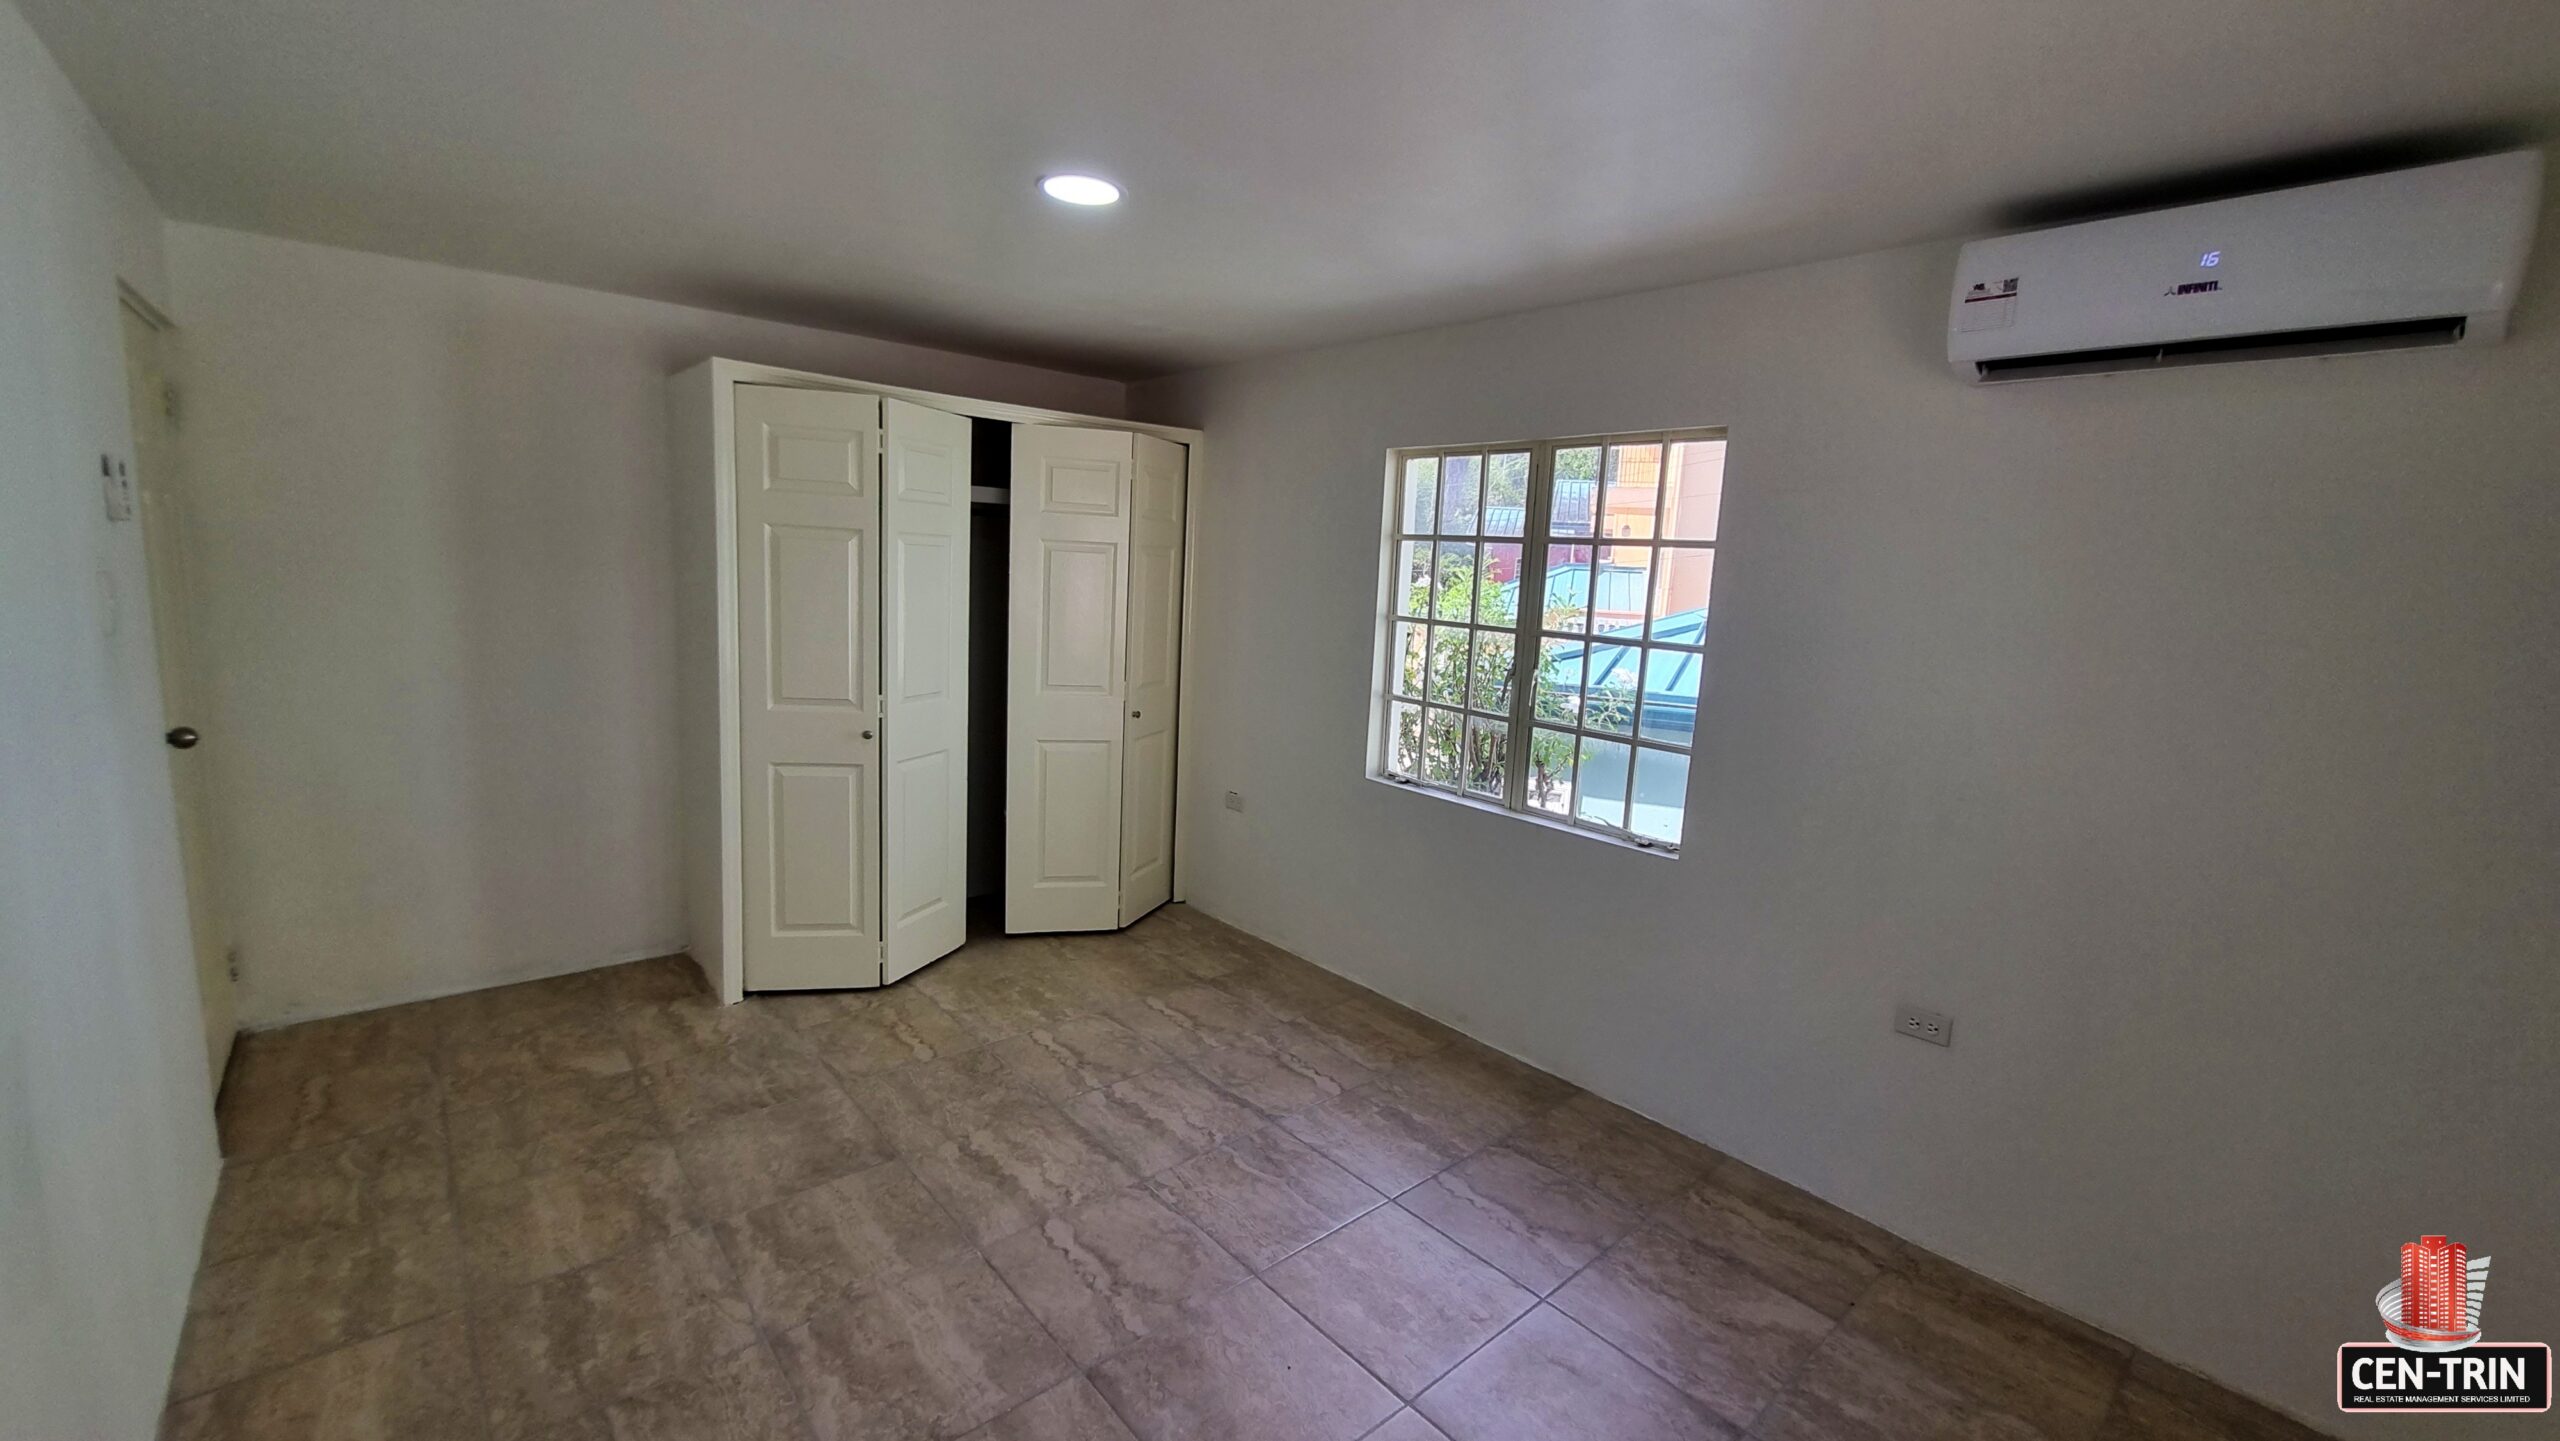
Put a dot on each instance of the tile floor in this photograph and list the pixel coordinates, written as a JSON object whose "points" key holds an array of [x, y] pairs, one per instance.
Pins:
{"points": [[1167, 1184]]}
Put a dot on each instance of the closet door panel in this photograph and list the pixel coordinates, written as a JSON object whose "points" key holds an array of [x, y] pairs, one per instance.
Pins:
{"points": [[1155, 653], [1067, 672], [808, 665], [925, 684]]}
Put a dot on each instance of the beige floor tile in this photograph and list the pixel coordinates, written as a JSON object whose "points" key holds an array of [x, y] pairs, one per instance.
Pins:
{"points": [[1548, 1379], [296, 1301], [1104, 1275], [1853, 1390], [652, 982], [742, 1396], [1014, 1162], [1077, 1055], [390, 1176], [1538, 1226], [903, 1027], [560, 1219], [800, 1253], [1289, 1069], [413, 1384], [342, 1043], [1288, 987], [1698, 1319], [271, 1108], [1265, 1195], [1069, 1411], [1190, 1019], [757, 1157], [575, 1123], [1813, 1251], [662, 1030], [1378, 1033], [1161, 1118], [490, 1069], [1404, 1300], [1407, 1425], [592, 1337], [1374, 1136], [1996, 1353], [2160, 1402], [1244, 1367], [763, 1069], [516, 1009], [933, 1354], [1616, 1152]]}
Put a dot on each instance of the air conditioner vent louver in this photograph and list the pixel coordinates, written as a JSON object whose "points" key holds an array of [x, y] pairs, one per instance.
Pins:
{"points": [[2323, 340], [2429, 257]]}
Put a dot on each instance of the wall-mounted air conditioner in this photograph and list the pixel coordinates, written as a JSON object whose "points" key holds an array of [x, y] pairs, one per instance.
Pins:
{"points": [[2430, 256]]}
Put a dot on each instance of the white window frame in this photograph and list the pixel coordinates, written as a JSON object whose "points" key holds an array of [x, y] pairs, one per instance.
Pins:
{"points": [[1526, 631]]}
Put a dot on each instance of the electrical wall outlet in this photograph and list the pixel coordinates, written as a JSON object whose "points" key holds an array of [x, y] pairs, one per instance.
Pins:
{"points": [[1935, 1027], [1235, 800]]}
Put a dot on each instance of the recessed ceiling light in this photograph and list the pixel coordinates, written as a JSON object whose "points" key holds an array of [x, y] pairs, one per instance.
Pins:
{"points": [[1080, 189]]}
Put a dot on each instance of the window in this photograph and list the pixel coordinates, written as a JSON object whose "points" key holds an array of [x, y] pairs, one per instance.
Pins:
{"points": [[1547, 625]]}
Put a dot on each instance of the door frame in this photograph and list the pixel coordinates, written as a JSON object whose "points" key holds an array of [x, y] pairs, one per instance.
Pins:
{"points": [[712, 381]]}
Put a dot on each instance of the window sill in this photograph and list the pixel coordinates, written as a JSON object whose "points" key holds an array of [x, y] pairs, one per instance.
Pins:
{"points": [[1547, 823]]}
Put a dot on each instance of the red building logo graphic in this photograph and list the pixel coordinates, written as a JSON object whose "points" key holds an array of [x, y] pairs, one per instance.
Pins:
{"points": [[2435, 1305]]}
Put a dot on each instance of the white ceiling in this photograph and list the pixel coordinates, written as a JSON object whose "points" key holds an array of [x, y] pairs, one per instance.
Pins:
{"points": [[1298, 170]]}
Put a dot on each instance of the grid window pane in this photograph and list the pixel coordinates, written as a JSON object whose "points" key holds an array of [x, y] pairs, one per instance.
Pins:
{"points": [[1695, 490], [1620, 578], [1634, 486], [1455, 582], [1448, 664], [1670, 700], [1558, 696], [1488, 753], [1498, 583], [1574, 502], [1404, 741], [1440, 747], [1409, 659], [1421, 489], [1490, 689], [1682, 576], [1506, 493], [1568, 604], [1550, 771], [1600, 783], [1461, 493], [1661, 795], [1609, 645], [1413, 577]]}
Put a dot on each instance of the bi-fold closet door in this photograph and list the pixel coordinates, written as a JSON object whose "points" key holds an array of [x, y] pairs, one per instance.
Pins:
{"points": [[1093, 666], [852, 566]]}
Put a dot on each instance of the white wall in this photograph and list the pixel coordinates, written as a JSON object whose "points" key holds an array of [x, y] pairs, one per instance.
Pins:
{"points": [[2190, 737], [106, 1139], [435, 511]]}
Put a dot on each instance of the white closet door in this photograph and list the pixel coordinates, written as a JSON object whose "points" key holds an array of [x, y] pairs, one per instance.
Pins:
{"points": [[808, 685], [1066, 674], [924, 627], [1155, 649]]}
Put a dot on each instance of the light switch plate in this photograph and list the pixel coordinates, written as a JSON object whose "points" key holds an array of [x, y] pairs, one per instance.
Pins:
{"points": [[1235, 800]]}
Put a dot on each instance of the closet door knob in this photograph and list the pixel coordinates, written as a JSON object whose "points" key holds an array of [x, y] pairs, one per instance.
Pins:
{"points": [[1133, 715], [866, 735], [182, 738]]}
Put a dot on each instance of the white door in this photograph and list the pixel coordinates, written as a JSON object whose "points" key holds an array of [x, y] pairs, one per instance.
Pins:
{"points": [[808, 465], [1066, 673], [164, 545], [924, 672], [1155, 649]]}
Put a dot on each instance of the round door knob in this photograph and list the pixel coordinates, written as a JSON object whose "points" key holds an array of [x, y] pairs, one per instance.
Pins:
{"points": [[866, 735], [1133, 715], [183, 738]]}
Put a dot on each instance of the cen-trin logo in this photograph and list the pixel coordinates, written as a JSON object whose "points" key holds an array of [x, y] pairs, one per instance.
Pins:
{"points": [[2432, 1357]]}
